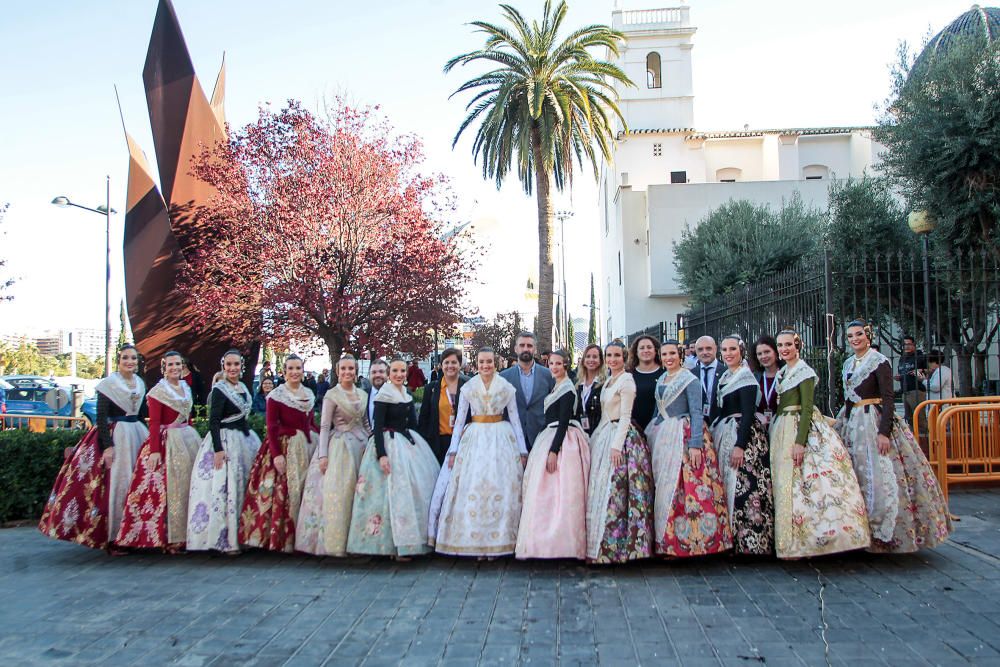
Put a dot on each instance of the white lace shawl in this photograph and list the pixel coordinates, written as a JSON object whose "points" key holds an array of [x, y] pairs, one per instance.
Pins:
{"points": [[118, 392], [669, 388], [730, 382], [389, 394], [282, 394], [238, 397], [564, 387], [866, 366], [789, 378], [164, 393]]}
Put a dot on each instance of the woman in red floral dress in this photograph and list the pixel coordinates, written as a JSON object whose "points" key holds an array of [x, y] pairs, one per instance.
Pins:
{"points": [[157, 505], [278, 476], [88, 496]]}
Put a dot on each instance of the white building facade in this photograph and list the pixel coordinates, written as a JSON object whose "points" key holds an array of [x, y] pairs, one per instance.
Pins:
{"points": [[666, 174]]}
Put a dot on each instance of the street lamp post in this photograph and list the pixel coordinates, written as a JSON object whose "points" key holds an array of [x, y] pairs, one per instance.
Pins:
{"points": [[562, 215], [922, 224], [106, 211]]}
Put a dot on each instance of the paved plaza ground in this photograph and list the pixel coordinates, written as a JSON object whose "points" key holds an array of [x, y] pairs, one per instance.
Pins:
{"points": [[66, 605]]}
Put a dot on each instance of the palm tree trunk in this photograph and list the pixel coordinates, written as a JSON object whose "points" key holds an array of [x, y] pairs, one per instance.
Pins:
{"points": [[546, 272]]}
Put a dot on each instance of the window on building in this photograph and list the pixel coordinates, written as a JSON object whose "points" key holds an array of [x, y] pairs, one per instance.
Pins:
{"points": [[657, 150], [653, 79], [678, 177], [815, 172], [728, 175]]}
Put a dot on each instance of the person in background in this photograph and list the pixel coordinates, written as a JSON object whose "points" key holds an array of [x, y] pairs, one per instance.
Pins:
{"points": [[310, 381], [646, 369], [691, 357], [708, 371], [265, 371], [766, 363], [260, 398], [322, 385], [910, 386], [533, 382], [435, 373], [378, 373], [938, 384], [437, 411], [588, 384], [190, 375], [415, 378]]}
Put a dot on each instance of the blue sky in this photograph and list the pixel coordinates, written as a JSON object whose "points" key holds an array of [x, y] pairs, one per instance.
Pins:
{"points": [[766, 64]]}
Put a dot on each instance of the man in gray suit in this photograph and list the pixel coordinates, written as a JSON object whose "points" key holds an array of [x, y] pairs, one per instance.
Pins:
{"points": [[532, 383]]}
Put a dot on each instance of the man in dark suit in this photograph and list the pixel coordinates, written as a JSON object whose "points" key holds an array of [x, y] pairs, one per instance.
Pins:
{"points": [[708, 370], [532, 384]]}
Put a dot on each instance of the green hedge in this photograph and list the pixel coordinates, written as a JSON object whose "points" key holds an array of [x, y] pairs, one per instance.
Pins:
{"points": [[29, 463]]}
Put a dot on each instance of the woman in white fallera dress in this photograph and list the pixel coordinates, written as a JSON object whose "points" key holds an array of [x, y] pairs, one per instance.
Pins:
{"points": [[481, 498], [325, 515], [222, 465]]}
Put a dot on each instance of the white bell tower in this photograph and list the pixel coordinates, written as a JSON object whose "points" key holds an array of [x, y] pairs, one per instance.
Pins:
{"points": [[657, 57]]}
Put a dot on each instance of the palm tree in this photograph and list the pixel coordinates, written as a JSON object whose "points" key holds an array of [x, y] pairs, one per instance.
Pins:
{"points": [[547, 101]]}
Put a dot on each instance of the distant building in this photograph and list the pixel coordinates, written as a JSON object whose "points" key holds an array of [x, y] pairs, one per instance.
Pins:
{"points": [[666, 174], [89, 342]]}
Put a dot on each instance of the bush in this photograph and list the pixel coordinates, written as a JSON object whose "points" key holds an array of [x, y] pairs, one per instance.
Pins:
{"points": [[29, 463]]}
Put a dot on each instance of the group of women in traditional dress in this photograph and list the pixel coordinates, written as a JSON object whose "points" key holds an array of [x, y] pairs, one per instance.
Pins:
{"points": [[635, 461]]}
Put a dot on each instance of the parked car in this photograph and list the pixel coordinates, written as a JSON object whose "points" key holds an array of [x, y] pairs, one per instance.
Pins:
{"points": [[38, 397]]}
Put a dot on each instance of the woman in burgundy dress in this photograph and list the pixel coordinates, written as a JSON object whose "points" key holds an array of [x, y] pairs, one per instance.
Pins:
{"points": [[88, 497], [157, 505], [278, 476]]}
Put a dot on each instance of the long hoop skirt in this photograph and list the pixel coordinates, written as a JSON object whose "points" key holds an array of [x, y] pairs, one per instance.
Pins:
{"points": [[87, 502], [156, 510], [749, 496], [325, 516], [818, 506], [906, 509], [481, 508], [689, 511], [389, 517], [619, 500], [271, 506], [216, 496], [554, 505]]}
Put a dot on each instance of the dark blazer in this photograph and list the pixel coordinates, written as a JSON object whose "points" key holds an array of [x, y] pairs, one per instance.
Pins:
{"points": [[427, 423], [532, 414], [592, 409], [720, 368]]}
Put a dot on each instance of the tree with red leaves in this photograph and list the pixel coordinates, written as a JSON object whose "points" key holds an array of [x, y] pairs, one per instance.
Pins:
{"points": [[324, 231]]}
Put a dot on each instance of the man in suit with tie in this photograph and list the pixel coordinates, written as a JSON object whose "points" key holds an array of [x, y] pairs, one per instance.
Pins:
{"points": [[708, 370], [532, 383]]}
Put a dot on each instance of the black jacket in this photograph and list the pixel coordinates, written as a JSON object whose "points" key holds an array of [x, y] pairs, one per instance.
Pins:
{"points": [[592, 409], [427, 423]]}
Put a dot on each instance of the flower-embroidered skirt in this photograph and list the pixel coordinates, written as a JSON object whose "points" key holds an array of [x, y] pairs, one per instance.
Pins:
{"points": [[481, 507], [389, 517], [325, 517], [906, 509], [748, 488], [157, 506], [619, 500], [818, 506], [690, 515], [216, 497], [272, 503]]}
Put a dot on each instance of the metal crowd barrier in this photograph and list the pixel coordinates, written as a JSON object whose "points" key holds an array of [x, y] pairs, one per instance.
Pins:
{"points": [[964, 438], [40, 424]]}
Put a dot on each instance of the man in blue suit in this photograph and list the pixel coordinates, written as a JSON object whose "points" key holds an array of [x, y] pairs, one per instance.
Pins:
{"points": [[532, 383]]}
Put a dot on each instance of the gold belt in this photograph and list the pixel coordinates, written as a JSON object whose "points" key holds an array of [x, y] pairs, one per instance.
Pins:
{"points": [[486, 419], [791, 408], [868, 401]]}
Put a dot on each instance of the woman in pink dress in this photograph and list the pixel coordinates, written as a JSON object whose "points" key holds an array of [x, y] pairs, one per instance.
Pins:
{"points": [[554, 505]]}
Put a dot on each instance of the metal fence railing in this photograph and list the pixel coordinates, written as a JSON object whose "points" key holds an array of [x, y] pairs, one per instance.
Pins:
{"points": [[41, 423], [950, 306]]}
